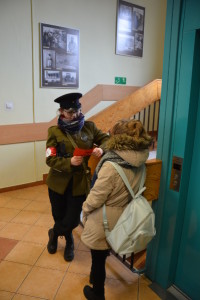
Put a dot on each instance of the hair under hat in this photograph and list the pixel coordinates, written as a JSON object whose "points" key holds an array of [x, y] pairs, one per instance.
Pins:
{"points": [[70, 100]]}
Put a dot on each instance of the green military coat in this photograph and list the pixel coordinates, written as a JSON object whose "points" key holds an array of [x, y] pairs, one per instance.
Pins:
{"points": [[58, 157]]}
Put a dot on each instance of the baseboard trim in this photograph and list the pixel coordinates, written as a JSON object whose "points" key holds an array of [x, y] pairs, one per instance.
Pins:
{"points": [[178, 293], [23, 186], [162, 293]]}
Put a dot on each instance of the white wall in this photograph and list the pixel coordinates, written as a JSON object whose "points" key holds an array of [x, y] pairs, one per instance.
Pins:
{"points": [[20, 61], [16, 61]]}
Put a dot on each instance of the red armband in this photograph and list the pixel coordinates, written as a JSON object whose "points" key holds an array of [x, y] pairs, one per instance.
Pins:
{"points": [[51, 151]]}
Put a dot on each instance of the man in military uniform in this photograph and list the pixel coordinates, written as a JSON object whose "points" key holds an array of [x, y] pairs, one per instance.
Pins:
{"points": [[69, 175]]}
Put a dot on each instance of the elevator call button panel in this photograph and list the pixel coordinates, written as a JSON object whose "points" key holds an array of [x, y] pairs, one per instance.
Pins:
{"points": [[176, 171]]}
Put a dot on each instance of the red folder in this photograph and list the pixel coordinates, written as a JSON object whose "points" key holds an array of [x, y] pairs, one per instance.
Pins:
{"points": [[82, 152]]}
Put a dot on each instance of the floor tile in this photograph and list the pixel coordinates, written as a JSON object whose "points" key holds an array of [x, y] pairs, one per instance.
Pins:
{"points": [[4, 200], [42, 282], [13, 194], [72, 287], [25, 253], [6, 245], [43, 188], [81, 263], [6, 295], [4, 196], [45, 220], [7, 214], [41, 207], [146, 293], [2, 224], [53, 261], [26, 217], [42, 197], [12, 275], [29, 272], [119, 290], [18, 203], [28, 193], [37, 234], [14, 231], [145, 280], [25, 297]]}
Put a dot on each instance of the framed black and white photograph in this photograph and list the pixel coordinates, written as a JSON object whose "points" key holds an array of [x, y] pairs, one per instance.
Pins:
{"points": [[130, 29], [59, 56]]}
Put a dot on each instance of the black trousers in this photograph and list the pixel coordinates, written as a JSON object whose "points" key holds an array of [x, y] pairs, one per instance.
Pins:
{"points": [[98, 270], [66, 210]]}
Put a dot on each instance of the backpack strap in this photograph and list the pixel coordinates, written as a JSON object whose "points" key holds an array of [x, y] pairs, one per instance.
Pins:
{"points": [[143, 177], [105, 221], [124, 178], [142, 188]]}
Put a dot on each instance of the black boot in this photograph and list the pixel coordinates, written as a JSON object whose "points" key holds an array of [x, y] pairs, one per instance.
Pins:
{"points": [[69, 249], [97, 275], [90, 295], [91, 281], [53, 241]]}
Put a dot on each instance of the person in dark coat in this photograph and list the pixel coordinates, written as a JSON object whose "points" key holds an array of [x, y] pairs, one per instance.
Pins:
{"points": [[69, 175]]}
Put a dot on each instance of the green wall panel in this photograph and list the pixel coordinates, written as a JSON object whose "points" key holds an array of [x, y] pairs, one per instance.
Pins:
{"points": [[192, 15], [180, 88]]}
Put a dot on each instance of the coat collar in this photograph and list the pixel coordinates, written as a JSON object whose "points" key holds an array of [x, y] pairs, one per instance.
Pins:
{"points": [[134, 158]]}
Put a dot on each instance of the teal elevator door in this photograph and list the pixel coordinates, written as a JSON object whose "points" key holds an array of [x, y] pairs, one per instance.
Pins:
{"points": [[188, 267]]}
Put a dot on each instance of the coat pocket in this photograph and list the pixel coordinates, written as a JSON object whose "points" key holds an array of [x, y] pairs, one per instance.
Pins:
{"points": [[81, 183]]}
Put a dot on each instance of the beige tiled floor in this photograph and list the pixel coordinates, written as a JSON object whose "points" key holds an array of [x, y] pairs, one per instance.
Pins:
{"points": [[29, 272]]}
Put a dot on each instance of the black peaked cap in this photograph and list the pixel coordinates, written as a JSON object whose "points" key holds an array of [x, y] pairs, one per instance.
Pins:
{"points": [[70, 100]]}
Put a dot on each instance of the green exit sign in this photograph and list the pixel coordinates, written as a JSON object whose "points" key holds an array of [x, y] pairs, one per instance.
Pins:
{"points": [[120, 80]]}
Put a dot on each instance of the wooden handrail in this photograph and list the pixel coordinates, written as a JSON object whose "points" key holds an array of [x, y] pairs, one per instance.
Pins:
{"points": [[129, 100], [128, 106]]}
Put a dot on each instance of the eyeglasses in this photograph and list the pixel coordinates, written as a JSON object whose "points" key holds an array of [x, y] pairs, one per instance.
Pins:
{"points": [[72, 111]]}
